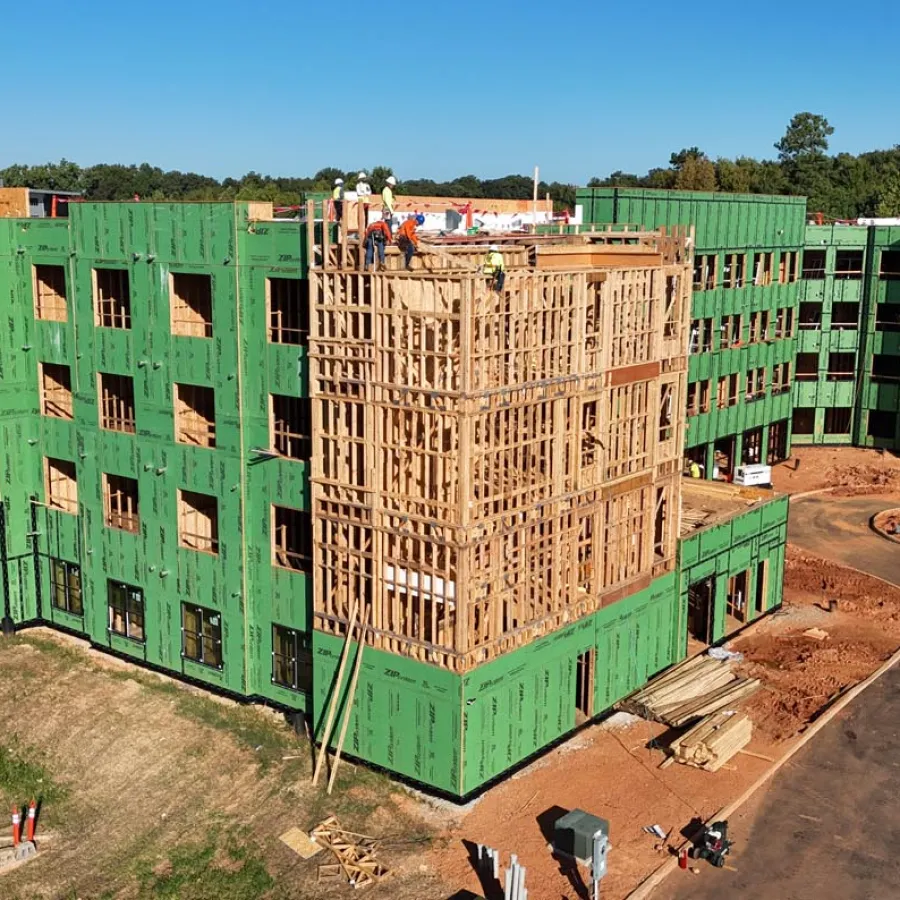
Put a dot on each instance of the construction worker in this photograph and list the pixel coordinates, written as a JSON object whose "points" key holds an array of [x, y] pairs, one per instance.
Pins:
{"points": [[696, 469], [337, 197], [363, 188], [378, 235], [407, 239], [495, 267], [387, 197]]}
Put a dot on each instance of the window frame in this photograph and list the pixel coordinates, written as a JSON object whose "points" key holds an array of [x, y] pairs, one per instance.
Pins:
{"points": [[67, 500], [298, 661], [280, 547], [188, 309], [47, 305], [213, 640], [187, 509], [64, 585], [282, 439], [127, 610], [131, 517], [116, 404], [51, 398], [113, 311]]}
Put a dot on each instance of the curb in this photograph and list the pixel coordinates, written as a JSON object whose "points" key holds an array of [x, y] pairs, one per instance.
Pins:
{"points": [[814, 493], [655, 878]]}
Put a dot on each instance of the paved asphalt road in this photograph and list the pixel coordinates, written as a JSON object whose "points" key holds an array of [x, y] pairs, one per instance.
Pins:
{"points": [[828, 826], [839, 529]]}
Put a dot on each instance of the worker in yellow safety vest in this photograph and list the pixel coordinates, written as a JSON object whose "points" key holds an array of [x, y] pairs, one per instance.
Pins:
{"points": [[387, 197], [495, 267], [696, 470], [337, 197]]}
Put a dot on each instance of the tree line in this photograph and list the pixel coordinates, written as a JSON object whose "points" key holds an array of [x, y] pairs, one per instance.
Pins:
{"points": [[841, 186]]}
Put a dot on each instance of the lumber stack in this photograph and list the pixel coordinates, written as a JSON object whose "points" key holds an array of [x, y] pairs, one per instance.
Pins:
{"points": [[712, 741], [693, 689], [355, 855], [691, 519]]}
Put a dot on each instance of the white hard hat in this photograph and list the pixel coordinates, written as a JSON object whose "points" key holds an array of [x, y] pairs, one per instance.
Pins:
{"points": [[362, 176], [494, 248], [338, 180], [391, 180]]}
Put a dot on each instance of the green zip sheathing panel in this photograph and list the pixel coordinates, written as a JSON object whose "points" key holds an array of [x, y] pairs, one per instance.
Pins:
{"points": [[151, 241], [726, 224], [846, 403], [721, 221], [733, 546], [23, 242], [456, 733], [525, 700]]}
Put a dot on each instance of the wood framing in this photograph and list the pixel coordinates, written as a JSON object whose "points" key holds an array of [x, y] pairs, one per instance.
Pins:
{"points": [[488, 466]]}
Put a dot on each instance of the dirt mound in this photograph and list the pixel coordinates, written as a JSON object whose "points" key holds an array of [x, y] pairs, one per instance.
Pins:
{"points": [[856, 481], [811, 575], [801, 675]]}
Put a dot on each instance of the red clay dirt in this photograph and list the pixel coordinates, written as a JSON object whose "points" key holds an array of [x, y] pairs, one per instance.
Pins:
{"points": [[614, 774], [853, 471]]}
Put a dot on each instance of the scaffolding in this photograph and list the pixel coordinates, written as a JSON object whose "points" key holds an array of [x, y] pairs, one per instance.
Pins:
{"points": [[488, 466]]}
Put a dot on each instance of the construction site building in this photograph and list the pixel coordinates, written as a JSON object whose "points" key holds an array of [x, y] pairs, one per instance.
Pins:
{"points": [[847, 374], [221, 442], [746, 288]]}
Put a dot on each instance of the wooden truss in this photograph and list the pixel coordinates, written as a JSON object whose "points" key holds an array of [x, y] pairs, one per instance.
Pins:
{"points": [[488, 466]]}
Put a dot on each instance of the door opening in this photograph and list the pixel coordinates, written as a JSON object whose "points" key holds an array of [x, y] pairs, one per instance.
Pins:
{"points": [[584, 687], [700, 606], [762, 587], [736, 600]]}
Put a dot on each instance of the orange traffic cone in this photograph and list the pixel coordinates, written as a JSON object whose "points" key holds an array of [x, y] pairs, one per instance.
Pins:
{"points": [[29, 823], [17, 826]]}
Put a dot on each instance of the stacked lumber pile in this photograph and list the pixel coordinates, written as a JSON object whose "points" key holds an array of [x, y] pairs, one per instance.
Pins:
{"points": [[693, 689], [355, 853], [691, 519], [712, 741]]}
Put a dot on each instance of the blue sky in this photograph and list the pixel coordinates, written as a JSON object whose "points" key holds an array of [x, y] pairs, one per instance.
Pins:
{"points": [[439, 89]]}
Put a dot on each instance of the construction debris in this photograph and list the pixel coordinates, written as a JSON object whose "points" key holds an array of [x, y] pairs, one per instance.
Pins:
{"points": [[712, 741], [695, 688], [817, 634], [355, 855], [301, 843]]}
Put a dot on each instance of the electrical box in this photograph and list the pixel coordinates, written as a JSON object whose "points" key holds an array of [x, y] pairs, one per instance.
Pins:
{"points": [[573, 833]]}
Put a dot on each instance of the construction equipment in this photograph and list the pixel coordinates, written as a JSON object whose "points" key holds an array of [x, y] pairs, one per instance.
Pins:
{"points": [[713, 844]]}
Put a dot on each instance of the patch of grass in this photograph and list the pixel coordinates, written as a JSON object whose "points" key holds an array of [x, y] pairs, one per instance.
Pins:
{"points": [[24, 775], [218, 867], [246, 725]]}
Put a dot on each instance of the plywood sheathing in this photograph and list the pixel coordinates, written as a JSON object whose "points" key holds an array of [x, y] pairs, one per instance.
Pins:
{"points": [[489, 466]]}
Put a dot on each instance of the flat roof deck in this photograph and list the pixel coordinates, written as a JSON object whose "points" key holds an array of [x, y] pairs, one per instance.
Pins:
{"points": [[706, 503]]}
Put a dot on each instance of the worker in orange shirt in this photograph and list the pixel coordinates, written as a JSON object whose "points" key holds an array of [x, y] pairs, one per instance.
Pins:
{"points": [[378, 235], [407, 239]]}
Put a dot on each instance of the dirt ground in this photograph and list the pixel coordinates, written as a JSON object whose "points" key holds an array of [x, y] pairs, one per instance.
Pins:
{"points": [[853, 471], [165, 784]]}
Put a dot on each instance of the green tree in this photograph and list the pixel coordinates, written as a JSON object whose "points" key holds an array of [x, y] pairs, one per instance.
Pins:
{"points": [[696, 173], [806, 135]]}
